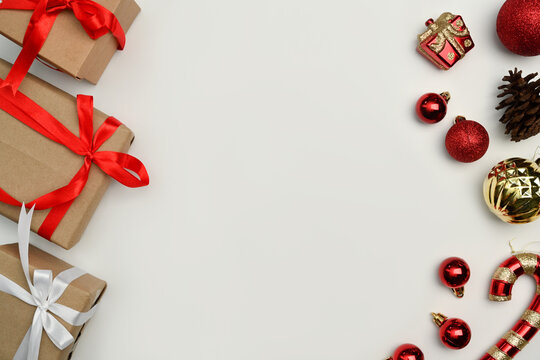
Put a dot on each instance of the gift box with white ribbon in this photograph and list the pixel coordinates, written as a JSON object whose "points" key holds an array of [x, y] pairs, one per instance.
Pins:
{"points": [[44, 302]]}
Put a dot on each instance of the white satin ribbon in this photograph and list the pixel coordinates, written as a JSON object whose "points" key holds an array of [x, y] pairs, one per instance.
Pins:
{"points": [[44, 292]]}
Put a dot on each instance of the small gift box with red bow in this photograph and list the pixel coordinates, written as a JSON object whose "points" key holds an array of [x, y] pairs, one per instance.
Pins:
{"points": [[79, 37], [58, 153], [446, 40], [44, 302]]}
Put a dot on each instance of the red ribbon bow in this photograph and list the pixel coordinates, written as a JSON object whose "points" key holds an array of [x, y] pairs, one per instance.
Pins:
{"points": [[94, 18], [119, 166]]}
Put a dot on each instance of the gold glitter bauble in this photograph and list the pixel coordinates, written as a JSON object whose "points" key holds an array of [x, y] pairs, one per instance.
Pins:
{"points": [[512, 190]]}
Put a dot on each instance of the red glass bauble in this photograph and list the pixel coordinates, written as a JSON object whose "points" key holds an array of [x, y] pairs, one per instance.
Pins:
{"points": [[455, 334], [431, 107], [467, 140], [518, 26], [408, 352], [454, 273]]}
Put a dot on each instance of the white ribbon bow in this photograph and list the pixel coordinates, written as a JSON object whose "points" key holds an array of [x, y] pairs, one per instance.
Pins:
{"points": [[44, 293]]}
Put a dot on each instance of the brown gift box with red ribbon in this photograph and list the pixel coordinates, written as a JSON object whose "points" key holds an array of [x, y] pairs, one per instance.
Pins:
{"points": [[68, 46], [16, 316], [32, 165]]}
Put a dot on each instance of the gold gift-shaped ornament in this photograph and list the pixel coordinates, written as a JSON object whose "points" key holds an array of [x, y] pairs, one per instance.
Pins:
{"points": [[445, 41]]}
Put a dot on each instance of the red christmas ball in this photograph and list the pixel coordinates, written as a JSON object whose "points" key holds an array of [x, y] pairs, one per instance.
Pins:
{"points": [[431, 107], [408, 352], [455, 334], [467, 140], [454, 273], [518, 26]]}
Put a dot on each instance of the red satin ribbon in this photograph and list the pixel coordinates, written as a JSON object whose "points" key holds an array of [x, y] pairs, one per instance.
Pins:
{"points": [[119, 166], [94, 18]]}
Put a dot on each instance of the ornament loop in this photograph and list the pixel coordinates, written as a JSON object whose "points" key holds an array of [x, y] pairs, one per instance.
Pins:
{"points": [[439, 318], [459, 119], [524, 249], [446, 95], [459, 292]]}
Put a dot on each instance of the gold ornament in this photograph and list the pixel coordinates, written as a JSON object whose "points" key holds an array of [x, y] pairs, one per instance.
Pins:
{"points": [[512, 190], [445, 41]]}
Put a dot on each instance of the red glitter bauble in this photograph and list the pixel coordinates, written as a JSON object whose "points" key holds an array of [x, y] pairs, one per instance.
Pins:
{"points": [[455, 334], [518, 26], [454, 273], [467, 140], [408, 352], [431, 107]]}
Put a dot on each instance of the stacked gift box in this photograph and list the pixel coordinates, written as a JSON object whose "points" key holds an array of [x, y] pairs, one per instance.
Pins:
{"points": [[58, 155]]}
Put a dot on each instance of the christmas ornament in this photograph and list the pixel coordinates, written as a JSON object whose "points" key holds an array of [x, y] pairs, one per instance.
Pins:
{"points": [[501, 290], [512, 190], [518, 26], [454, 333], [467, 140], [431, 107], [454, 273], [445, 41], [522, 103], [407, 352]]}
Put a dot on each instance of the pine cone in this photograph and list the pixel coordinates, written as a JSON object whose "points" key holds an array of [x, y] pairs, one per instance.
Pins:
{"points": [[522, 116]]}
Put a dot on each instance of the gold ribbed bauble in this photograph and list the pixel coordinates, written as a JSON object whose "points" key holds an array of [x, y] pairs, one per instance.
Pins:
{"points": [[512, 190]]}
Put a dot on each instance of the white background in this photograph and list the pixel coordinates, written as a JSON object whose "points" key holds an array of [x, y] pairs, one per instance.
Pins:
{"points": [[298, 210]]}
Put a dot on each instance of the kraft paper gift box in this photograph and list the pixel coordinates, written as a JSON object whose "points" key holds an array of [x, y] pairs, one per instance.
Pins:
{"points": [[68, 47], [32, 165], [16, 316]]}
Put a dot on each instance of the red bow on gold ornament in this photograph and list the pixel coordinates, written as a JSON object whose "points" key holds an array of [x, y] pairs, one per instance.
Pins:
{"points": [[94, 18]]}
